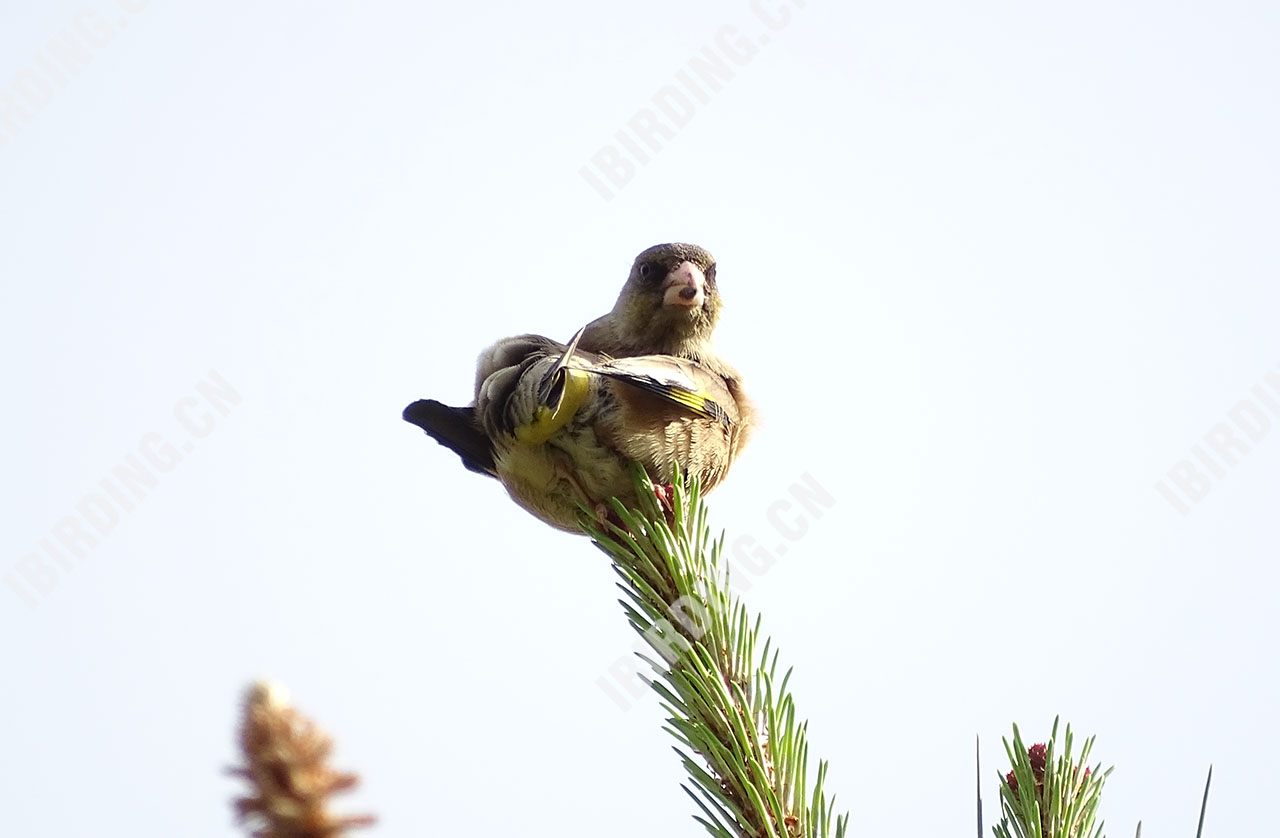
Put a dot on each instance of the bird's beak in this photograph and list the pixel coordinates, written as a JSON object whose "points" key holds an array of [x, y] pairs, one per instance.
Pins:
{"points": [[686, 286]]}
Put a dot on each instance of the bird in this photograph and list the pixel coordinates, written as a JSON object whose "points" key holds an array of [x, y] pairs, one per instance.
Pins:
{"points": [[657, 335], [559, 426]]}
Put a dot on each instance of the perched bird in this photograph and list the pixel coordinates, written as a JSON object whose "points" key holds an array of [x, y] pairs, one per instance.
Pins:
{"points": [[559, 425]]}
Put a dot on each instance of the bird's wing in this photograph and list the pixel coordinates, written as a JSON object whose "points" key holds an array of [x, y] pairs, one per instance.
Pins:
{"points": [[511, 352], [675, 380], [561, 390], [530, 391], [455, 428], [553, 380]]}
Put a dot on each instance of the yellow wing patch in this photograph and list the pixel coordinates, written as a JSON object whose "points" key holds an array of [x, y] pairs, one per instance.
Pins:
{"points": [[698, 402], [548, 420]]}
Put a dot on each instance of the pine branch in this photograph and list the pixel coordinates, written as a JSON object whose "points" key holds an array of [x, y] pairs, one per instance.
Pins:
{"points": [[287, 766], [1047, 795], [734, 720]]}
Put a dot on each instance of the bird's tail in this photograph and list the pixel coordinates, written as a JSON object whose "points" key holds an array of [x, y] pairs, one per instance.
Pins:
{"points": [[455, 428]]}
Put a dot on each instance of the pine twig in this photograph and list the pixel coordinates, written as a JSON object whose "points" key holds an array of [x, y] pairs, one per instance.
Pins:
{"points": [[287, 766], [734, 720], [1046, 794]]}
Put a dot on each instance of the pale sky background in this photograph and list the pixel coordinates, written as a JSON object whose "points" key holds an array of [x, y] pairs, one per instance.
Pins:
{"points": [[991, 271]]}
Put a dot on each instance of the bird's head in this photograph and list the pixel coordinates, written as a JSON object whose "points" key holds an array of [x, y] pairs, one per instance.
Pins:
{"points": [[670, 303]]}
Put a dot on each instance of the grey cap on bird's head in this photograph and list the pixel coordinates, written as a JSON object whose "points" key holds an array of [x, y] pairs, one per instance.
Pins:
{"points": [[670, 297]]}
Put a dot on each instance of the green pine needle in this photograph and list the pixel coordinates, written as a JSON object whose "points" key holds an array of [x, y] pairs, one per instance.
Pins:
{"points": [[1056, 800], [735, 723]]}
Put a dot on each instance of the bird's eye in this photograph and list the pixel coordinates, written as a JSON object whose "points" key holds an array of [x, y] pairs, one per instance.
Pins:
{"points": [[648, 271]]}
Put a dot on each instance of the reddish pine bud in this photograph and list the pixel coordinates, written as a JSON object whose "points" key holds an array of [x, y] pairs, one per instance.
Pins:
{"points": [[1038, 754], [1012, 781]]}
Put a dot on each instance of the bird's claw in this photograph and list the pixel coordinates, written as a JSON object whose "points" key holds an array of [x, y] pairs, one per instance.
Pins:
{"points": [[606, 516], [666, 495]]}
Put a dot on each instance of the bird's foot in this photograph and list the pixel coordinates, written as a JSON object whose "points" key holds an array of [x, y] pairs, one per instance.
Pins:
{"points": [[607, 517], [666, 495]]}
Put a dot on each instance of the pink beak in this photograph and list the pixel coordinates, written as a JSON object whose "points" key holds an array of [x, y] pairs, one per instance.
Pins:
{"points": [[685, 286]]}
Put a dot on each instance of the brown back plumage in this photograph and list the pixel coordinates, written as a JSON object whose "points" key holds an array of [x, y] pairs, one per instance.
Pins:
{"points": [[660, 411], [661, 432]]}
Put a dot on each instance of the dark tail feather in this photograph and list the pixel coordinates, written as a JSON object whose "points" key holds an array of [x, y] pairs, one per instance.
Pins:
{"points": [[455, 428]]}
